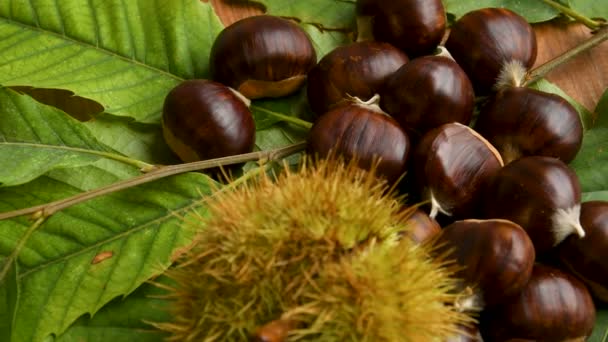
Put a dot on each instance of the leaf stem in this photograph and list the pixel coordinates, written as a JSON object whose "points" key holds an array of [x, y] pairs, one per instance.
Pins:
{"points": [[283, 117], [48, 209], [590, 23], [541, 71], [114, 156], [9, 260]]}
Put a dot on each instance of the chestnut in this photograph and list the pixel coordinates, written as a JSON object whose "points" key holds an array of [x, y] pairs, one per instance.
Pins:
{"points": [[354, 70], [414, 26], [428, 92], [553, 306], [485, 41], [421, 227], [586, 257], [363, 133], [262, 56], [451, 164], [468, 333], [496, 256], [541, 194], [203, 119], [527, 122]]}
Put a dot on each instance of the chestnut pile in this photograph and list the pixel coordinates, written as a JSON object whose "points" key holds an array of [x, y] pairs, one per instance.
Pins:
{"points": [[531, 254]]}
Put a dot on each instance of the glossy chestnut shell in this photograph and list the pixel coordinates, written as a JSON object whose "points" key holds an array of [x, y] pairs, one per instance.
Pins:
{"points": [[204, 119], [528, 122], [262, 56], [414, 26], [354, 70], [553, 307], [497, 257], [421, 227], [451, 164], [586, 257], [356, 131], [467, 334], [483, 41], [428, 92], [541, 194]]}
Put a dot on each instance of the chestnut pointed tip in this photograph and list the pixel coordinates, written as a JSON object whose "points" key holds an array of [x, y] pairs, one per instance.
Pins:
{"points": [[567, 222], [512, 74], [470, 301], [373, 104], [436, 207], [442, 51], [579, 230]]}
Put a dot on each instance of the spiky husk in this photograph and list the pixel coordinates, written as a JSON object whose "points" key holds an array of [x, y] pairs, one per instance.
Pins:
{"points": [[320, 248]]}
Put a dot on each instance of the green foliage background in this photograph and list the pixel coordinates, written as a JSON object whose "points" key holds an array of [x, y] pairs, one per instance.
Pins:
{"points": [[125, 56]]}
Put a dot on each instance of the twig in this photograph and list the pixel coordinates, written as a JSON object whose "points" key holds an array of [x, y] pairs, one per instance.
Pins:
{"points": [[9, 260], [48, 209], [283, 117], [541, 71], [590, 23]]}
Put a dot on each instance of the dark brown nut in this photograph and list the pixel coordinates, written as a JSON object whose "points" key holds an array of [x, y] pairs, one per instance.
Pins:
{"points": [[262, 56], [364, 133], [526, 122], [451, 164], [553, 307], [354, 70], [204, 119], [484, 41], [542, 195], [586, 257]]}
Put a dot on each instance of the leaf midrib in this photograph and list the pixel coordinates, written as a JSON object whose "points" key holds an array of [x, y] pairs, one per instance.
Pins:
{"points": [[94, 47], [121, 235]]}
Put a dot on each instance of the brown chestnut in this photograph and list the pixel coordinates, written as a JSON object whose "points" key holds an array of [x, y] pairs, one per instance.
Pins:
{"points": [[204, 119], [553, 307], [527, 122], [496, 258], [262, 56], [354, 70], [365, 133], [451, 164], [428, 92], [421, 227], [414, 26], [484, 41], [586, 257], [541, 194], [466, 334]]}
